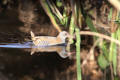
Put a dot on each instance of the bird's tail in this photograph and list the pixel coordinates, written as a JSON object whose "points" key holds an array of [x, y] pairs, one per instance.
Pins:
{"points": [[32, 35]]}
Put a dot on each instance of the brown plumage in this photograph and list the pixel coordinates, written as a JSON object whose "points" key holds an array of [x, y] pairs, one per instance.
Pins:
{"points": [[49, 40]]}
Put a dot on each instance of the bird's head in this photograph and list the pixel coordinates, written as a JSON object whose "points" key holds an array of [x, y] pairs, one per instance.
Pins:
{"points": [[63, 35]]}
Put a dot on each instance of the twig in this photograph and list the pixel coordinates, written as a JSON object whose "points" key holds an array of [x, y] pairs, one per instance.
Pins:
{"points": [[100, 35], [90, 56], [115, 3]]}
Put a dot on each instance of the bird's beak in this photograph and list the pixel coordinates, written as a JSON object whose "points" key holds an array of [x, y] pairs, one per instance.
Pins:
{"points": [[70, 36]]}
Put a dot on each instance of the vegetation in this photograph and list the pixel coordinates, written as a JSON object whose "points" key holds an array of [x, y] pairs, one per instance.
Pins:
{"points": [[74, 13], [98, 19]]}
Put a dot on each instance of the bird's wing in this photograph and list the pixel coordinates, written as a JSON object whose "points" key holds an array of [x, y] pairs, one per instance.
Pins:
{"points": [[45, 41]]}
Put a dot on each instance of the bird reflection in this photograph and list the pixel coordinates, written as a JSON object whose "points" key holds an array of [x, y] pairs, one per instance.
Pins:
{"points": [[60, 49]]}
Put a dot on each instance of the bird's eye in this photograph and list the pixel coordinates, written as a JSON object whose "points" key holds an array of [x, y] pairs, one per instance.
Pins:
{"points": [[66, 34]]}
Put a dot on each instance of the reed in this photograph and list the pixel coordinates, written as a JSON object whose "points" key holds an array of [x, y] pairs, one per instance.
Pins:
{"points": [[77, 32]]}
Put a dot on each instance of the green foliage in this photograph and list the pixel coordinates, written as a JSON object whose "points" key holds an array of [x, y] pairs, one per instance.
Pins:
{"points": [[115, 61], [65, 17], [118, 33], [46, 6], [104, 56], [62, 18], [117, 78], [113, 53], [110, 15], [90, 24], [102, 61], [72, 28], [112, 48], [104, 49], [58, 3], [117, 21], [107, 56]]}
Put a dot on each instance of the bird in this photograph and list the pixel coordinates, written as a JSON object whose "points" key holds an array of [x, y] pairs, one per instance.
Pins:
{"points": [[43, 41]]}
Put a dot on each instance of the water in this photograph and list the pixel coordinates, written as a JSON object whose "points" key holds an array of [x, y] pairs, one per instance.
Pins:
{"points": [[57, 48], [16, 63], [17, 45]]}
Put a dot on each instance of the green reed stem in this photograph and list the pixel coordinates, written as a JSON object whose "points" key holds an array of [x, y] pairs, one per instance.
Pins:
{"points": [[49, 13], [71, 30], [77, 32], [113, 52]]}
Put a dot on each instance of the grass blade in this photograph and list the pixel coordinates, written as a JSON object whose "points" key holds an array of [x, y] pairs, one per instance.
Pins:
{"points": [[49, 13], [79, 77]]}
